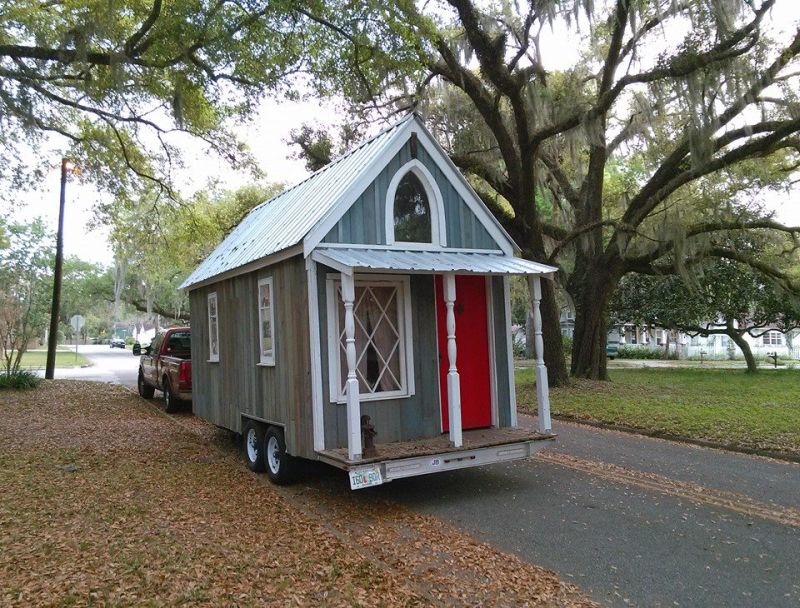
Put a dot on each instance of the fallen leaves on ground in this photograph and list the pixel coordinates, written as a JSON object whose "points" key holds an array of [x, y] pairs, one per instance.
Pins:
{"points": [[105, 500]]}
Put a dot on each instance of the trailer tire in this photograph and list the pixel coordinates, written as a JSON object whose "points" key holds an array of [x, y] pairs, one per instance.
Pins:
{"points": [[145, 390], [280, 465], [171, 402], [253, 439]]}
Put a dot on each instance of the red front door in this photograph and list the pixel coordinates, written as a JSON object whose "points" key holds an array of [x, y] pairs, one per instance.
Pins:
{"points": [[472, 342]]}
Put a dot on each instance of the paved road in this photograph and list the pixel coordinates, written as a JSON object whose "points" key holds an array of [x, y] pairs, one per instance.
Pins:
{"points": [[630, 520], [624, 519], [108, 365]]}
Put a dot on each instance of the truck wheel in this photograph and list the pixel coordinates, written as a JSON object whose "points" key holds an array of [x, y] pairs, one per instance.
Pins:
{"points": [[253, 434], [145, 390], [170, 401], [280, 465]]}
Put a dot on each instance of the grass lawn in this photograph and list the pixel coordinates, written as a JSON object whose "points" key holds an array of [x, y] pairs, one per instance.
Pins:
{"points": [[752, 411], [38, 359]]}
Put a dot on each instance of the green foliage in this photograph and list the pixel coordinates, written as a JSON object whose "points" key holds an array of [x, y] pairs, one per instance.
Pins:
{"points": [[633, 352], [25, 288], [566, 342], [117, 81], [157, 245], [19, 379]]}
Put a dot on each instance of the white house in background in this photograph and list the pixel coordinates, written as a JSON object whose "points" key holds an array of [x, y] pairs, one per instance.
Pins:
{"points": [[786, 345]]}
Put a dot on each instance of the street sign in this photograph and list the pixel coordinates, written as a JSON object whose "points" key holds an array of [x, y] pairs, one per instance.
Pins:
{"points": [[77, 322]]}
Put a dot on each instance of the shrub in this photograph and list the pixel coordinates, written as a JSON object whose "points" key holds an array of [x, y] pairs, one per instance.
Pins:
{"points": [[20, 379], [633, 352], [566, 343]]}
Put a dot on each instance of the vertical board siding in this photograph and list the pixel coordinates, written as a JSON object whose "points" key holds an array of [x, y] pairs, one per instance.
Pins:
{"points": [[237, 385], [501, 339], [394, 419], [365, 221]]}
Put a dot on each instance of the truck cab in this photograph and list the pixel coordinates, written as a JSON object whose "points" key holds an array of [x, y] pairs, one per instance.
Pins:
{"points": [[166, 366]]}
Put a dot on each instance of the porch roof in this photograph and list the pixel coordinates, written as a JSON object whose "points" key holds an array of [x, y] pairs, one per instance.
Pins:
{"points": [[348, 260]]}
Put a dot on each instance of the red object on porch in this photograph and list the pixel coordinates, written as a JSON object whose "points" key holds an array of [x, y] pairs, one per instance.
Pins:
{"points": [[472, 358]]}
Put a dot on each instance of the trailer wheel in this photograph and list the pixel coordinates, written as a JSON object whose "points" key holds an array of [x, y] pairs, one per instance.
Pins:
{"points": [[253, 435], [280, 465], [170, 401], [145, 390]]}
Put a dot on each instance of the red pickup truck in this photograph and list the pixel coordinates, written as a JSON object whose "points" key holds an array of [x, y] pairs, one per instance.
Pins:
{"points": [[166, 365]]}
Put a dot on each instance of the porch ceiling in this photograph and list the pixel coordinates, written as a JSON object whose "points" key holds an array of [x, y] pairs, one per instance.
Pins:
{"points": [[425, 262]]}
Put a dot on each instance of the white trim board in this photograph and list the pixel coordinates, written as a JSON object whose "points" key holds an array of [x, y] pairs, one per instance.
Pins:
{"points": [[315, 352]]}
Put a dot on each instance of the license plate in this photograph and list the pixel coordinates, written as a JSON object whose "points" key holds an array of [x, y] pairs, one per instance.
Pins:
{"points": [[364, 477]]}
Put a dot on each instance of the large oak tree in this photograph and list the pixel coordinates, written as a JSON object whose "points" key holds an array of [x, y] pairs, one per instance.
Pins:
{"points": [[594, 166]]}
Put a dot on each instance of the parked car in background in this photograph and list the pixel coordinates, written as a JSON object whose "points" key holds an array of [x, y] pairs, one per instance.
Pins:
{"points": [[612, 349], [117, 343], [166, 365]]}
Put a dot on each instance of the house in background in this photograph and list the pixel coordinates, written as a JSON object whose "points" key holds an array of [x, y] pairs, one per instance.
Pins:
{"points": [[363, 318], [763, 344]]}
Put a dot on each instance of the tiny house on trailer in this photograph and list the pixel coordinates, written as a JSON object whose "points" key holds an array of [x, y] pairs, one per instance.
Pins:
{"points": [[362, 318]]}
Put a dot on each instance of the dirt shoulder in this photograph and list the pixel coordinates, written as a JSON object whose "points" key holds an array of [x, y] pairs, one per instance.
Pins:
{"points": [[105, 500]]}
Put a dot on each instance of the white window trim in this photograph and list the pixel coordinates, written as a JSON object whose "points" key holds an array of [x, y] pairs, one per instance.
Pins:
{"points": [[212, 358], [435, 202], [268, 360], [403, 284]]}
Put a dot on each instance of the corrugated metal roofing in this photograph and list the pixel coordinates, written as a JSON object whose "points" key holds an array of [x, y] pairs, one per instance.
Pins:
{"points": [[284, 220], [430, 261]]}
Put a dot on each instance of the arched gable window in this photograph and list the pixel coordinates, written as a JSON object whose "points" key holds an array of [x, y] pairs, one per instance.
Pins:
{"points": [[414, 208], [412, 211]]}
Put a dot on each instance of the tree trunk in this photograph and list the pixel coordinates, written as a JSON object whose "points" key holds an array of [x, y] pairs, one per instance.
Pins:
{"points": [[744, 345], [591, 291]]}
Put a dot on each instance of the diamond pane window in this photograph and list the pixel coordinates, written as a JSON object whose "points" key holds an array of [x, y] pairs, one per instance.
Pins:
{"points": [[378, 339], [412, 211]]}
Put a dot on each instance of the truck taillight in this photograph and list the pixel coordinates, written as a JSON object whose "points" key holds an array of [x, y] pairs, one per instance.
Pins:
{"points": [[185, 374]]}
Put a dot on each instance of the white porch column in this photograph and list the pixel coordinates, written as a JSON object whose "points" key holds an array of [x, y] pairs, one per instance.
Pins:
{"points": [[353, 403], [453, 380], [542, 388]]}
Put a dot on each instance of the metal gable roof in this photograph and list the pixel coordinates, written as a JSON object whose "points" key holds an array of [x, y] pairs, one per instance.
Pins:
{"points": [[284, 220], [429, 261]]}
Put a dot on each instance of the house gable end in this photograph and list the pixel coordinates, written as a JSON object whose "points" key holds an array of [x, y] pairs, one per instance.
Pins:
{"points": [[362, 219]]}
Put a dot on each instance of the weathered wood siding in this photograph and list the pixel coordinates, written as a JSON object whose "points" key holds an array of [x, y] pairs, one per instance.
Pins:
{"points": [[223, 391], [365, 224], [501, 339], [394, 419]]}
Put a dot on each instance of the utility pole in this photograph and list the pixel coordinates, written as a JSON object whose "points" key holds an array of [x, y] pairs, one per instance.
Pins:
{"points": [[52, 338]]}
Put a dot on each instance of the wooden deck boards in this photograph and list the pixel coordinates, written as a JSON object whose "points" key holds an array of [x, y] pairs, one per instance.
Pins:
{"points": [[474, 439]]}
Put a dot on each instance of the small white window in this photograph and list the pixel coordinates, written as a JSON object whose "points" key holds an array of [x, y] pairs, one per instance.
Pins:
{"points": [[266, 322], [384, 365], [773, 338], [213, 328]]}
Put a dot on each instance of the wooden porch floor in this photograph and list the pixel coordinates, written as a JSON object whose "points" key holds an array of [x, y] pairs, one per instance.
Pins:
{"points": [[478, 438]]}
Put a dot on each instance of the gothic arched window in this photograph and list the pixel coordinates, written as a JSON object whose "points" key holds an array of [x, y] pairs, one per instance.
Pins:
{"points": [[412, 211]]}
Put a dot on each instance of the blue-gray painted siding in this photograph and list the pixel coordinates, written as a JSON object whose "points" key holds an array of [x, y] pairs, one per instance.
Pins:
{"points": [[365, 222], [237, 385], [394, 419]]}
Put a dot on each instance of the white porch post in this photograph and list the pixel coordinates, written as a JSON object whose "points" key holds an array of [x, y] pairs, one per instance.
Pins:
{"points": [[353, 404], [453, 380], [542, 388]]}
